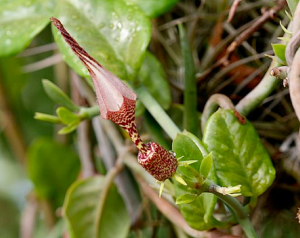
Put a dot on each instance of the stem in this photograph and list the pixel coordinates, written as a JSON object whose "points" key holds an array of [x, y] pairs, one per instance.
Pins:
{"points": [[90, 112], [157, 112], [190, 118], [258, 94], [212, 104], [238, 210]]}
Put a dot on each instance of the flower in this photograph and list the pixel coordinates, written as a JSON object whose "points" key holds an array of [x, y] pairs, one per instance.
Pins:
{"points": [[117, 103]]}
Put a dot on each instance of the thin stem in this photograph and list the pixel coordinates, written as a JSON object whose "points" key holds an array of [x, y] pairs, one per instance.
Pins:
{"points": [[258, 94], [190, 118], [90, 112], [240, 213], [157, 112], [212, 104]]}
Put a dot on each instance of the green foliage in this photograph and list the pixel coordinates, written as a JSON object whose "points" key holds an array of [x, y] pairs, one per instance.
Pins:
{"points": [[52, 168], [82, 212], [68, 118], [197, 213], [239, 156], [20, 22], [206, 165], [117, 37], [154, 8], [153, 77], [186, 198], [279, 51], [59, 96]]}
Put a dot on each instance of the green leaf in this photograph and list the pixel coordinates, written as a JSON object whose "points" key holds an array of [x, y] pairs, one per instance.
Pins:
{"points": [[206, 165], [186, 198], [81, 211], [279, 51], [69, 128], [153, 77], [20, 22], [66, 116], [239, 156], [114, 33], [59, 96], [292, 5], [154, 8], [52, 169], [198, 213]]}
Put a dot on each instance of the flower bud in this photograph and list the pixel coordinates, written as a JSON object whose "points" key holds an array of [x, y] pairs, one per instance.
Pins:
{"points": [[157, 161]]}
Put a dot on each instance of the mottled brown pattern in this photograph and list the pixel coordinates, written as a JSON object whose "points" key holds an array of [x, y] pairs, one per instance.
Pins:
{"points": [[159, 162], [125, 118]]}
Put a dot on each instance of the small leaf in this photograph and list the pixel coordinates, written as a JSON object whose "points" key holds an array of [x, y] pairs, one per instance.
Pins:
{"points": [[186, 198], [20, 22], [206, 165], [66, 116], [153, 77], [279, 51], [82, 213], [179, 179], [46, 118], [239, 156], [69, 128], [117, 38], [52, 168], [59, 96]]}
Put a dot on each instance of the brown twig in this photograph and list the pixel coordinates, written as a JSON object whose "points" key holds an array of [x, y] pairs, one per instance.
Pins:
{"points": [[266, 16], [233, 8]]}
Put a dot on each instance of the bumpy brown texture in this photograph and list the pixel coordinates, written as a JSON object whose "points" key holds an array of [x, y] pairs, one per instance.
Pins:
{"points": [[157, 161], [125, 118]]}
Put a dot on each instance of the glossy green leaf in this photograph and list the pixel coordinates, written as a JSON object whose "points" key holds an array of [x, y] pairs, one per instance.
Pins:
{"points": [[82, 212], [59, 96], [279, 51], [52, 168], [20, 22], [154, 8], [153, 77], [116, 34], [198, 213], [186, 198], [239, 156], [206, 165], [292, 5], [66, 116]]}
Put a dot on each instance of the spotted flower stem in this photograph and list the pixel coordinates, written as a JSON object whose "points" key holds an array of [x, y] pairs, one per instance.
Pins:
{"points": [[117, 103]]}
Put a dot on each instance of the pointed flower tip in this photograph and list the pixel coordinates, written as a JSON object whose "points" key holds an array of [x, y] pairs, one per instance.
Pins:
{"points": [[115, 99]]}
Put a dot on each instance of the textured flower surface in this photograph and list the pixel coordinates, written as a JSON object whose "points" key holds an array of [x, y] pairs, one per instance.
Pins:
{"points": [[117, 103], [159, 162]]}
